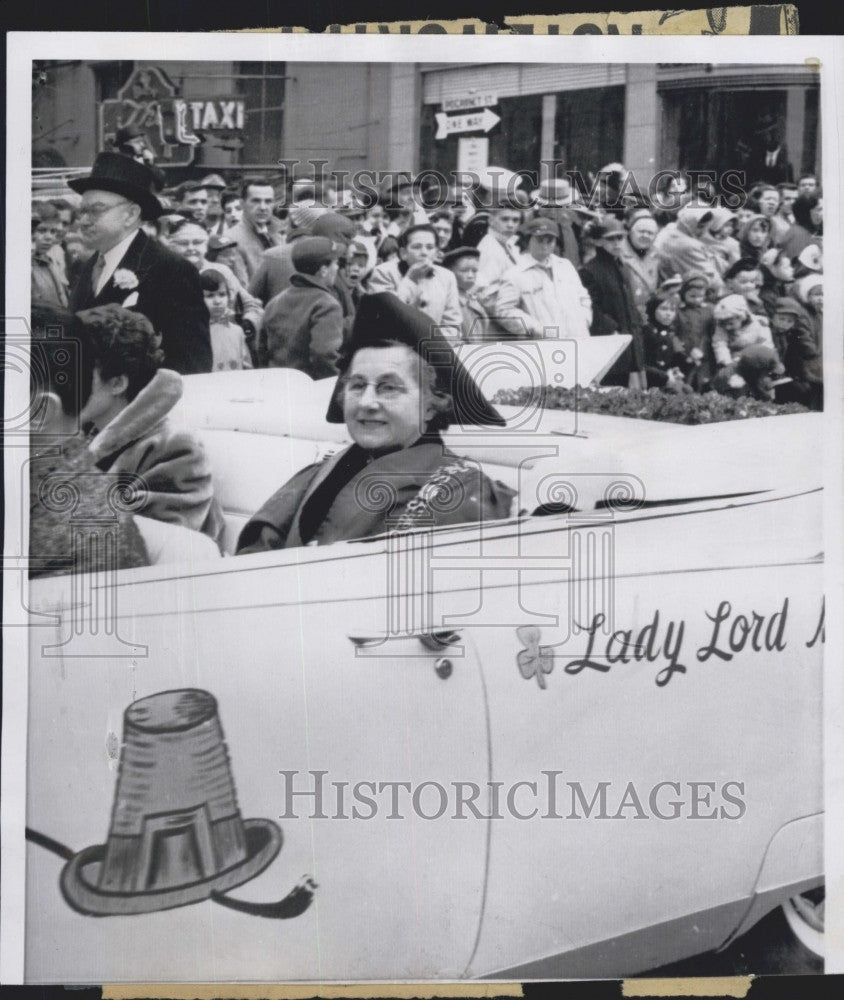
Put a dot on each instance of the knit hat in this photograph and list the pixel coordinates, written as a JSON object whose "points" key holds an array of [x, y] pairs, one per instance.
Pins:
{"points": [[635, 214], [694, 278], [731, 307], [807, 284], [811, 258]]}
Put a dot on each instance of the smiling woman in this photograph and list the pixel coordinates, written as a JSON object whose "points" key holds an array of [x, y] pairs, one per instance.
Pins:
{"points": [[398, 473]]}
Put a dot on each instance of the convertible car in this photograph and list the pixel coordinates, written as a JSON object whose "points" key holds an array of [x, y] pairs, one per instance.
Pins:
{"points": [[583, 741]]}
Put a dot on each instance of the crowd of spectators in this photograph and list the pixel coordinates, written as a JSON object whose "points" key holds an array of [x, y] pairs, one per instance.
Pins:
{"points": [[220, 276], [283, 270]]}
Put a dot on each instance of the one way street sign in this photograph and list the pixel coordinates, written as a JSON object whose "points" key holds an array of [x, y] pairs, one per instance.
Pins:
{"points": [[477, 121]]}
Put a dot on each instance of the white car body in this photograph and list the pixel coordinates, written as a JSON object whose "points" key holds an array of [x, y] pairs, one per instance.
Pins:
{"points": [[314, 670]]}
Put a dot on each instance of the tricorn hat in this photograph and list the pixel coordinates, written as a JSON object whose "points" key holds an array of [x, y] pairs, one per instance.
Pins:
{"points": [[177, 836], [383, 317], [122, 175]]}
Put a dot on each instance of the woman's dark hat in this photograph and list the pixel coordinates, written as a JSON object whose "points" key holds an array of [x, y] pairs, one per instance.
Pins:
{"points": [[122, 175], [382, 317]]}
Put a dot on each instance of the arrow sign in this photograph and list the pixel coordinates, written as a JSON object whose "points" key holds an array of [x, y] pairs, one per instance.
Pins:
{"points": [[480, 121]]}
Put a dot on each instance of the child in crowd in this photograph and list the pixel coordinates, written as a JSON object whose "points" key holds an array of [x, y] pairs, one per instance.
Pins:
{"points": [[49, 286], [810, 294], [744, 278], [303, 325], [228, 341], [664, 354], [232, 205], [463, 263], [222, 249], [777, 275], [359, 264], [695, 326], [801, 352], [737, 328]]}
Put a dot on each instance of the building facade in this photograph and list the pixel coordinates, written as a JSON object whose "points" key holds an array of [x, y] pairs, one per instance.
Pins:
{"points": [[253, 116]]}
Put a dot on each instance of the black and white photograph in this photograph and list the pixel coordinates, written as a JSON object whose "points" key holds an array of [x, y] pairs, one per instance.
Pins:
{"points": [[422, 481]]}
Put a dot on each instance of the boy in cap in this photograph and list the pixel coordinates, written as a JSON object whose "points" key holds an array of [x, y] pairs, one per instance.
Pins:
{"points": [[463, 264], [303, 325]]}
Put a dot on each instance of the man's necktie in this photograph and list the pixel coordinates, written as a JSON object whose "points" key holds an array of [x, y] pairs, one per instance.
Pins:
{"points": [[97, 273]]}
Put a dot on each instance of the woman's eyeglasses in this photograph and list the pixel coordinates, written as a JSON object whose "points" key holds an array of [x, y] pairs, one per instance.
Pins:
{"points": [[386, 389]]}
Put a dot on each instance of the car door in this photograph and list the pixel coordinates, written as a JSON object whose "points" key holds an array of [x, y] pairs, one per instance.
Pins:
{"points": [[322, 702], [679, 724]]}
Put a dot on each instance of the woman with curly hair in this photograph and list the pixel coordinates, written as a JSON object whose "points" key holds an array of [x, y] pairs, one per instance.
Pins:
{"points": [[126, 419]]}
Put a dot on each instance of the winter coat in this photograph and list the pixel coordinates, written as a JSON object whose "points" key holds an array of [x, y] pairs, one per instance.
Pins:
{"points": [[539, 302], [61, 534], [399, 506], [173, 469], [48, 284], [476, 325], [614, 309], [728, 346], [681, 251], [662, 351], [643, 272], [303, 328], [253, 244], [168, 293]]}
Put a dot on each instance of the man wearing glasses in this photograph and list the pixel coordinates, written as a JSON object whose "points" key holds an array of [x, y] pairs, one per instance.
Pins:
{"points": [[134, 271]]}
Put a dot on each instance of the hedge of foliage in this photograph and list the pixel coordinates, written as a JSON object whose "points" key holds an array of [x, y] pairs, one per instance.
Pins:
{"points": [[647, 404]]}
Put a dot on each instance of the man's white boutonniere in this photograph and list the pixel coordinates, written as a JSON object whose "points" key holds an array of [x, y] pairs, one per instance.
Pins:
{"points": [[124, 278]]}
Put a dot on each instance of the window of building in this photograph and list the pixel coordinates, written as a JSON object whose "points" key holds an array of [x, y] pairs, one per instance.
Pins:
{"points": [[262, 85]]}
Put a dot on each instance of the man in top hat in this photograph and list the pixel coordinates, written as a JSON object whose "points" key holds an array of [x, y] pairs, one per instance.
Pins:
{"points": [[134, 271], [541, 296], [394, 402]]}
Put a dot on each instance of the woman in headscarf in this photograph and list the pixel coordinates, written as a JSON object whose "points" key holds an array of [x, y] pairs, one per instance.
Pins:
{"points": [[755, 237], [720, 239], [682, 250], [397, 474]]}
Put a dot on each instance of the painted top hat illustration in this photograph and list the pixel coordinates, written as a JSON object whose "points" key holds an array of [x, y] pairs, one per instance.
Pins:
{"points": [[176, 836]]}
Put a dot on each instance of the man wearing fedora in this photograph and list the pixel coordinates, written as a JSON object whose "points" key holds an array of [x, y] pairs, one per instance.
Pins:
{"points": [[133, 270]]}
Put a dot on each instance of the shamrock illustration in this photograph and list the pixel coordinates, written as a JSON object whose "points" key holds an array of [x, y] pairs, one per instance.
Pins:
{"points": [[534, 660]]}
